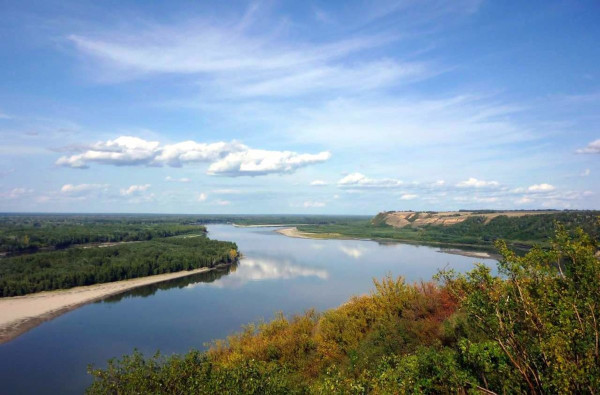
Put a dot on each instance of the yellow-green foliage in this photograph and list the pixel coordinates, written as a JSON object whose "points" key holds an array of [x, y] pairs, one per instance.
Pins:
{"points": [[533, 329]]}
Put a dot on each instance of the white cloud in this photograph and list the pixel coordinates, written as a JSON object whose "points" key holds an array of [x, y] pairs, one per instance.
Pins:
{"points": [[202, 197], [408, 196], [313, 204], [591, 148], [585, 173], [475, 183], [541, 188], [173, 179], [82, 189], [228, 159], [16, 193], [255, 162], [232, 61], [318, 183], [222, 202], [358, 180], [122, 151], [524, 200], [135, 190]]}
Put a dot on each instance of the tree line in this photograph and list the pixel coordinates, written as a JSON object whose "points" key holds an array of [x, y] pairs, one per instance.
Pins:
{"points": [[43, 271]]}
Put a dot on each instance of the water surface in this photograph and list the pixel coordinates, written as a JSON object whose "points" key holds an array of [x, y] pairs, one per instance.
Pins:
{"points": [[277, 273]]}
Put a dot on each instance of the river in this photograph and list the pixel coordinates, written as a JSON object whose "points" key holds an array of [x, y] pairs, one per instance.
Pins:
{"points": [[276, 273]]}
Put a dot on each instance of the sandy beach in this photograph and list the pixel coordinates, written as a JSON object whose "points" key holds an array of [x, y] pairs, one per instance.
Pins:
{"points": [[19, 314]]}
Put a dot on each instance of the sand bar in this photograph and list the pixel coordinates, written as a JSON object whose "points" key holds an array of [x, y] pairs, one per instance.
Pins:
{"points": [[294, 232], [18, 314]]}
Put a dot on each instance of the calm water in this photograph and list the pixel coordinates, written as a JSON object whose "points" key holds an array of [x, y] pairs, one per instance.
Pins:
{"points": [[277, 273]]}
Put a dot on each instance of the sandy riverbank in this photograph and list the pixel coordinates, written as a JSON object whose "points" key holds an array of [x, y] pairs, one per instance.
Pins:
{"points": [[471, 254], [19, 314], [294, 232]]}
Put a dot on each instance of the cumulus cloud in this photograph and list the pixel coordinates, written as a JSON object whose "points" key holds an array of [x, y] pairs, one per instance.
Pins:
{"points": [[261, 162], [318, 183], [475, 183], [591, 148], [202, 197], [313, 204], [82, 189], [358, 180], [585, 173], [228, 159], [541, 188], [135, 190]]}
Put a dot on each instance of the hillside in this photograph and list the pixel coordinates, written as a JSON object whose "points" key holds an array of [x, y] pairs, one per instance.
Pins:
{"points": [[521, 229], [400, 219]]}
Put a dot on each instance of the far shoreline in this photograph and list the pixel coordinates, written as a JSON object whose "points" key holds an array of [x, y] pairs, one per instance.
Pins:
{"points": [[481, 252], [19, 314]]}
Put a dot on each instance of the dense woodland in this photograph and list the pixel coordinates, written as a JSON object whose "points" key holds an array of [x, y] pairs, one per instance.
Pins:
{"points": [[523, 232], [534, 328], [30, 233], [73, 267]]}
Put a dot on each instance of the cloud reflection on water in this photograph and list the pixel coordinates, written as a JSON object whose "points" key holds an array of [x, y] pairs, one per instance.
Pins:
{"points": [[353, 252], [261, 269]]}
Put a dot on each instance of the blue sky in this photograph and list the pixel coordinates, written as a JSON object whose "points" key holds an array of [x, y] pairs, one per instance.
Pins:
{"points": [[299, 107]]}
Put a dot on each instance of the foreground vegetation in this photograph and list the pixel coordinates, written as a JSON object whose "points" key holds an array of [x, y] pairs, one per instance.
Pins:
{"points": [[521, 232], [533, 328]]}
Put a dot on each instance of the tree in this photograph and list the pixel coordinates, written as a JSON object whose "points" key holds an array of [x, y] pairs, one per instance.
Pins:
{"points": [[543, 311]]}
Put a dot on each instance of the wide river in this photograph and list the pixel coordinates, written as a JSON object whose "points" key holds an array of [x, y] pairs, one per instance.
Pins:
{"points": [[277, 273]]}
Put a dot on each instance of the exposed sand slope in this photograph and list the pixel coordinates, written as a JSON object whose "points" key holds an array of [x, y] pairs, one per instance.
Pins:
{"points": [[400, 219], [19, 314]]}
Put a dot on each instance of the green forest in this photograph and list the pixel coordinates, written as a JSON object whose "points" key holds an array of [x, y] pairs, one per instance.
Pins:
{"points": [[33, 233], [532, 328], [73, 267], [520, 232], [21, 233]]}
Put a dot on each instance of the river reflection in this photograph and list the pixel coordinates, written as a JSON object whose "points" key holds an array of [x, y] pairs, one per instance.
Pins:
{"points": [[276, 273], [182, 282]]}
